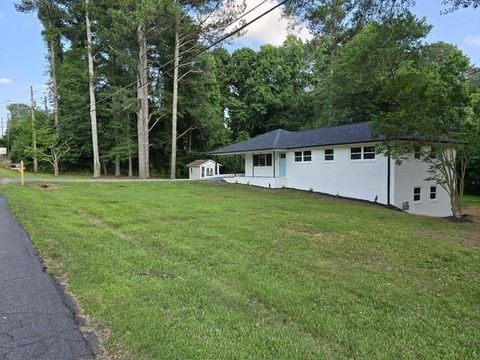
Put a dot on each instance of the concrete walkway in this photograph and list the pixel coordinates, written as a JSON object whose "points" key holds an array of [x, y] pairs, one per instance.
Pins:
{"points": [[35, 322]]}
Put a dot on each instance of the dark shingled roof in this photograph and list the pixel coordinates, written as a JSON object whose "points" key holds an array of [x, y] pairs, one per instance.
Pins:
{"points": [[283, 139], [198, 162]]}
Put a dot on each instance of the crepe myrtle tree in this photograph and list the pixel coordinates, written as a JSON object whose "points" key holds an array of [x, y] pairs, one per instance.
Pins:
{"points": [[429, 110], [53, 149]]}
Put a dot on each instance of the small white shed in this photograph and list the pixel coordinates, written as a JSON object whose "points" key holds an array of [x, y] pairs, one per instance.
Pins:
{"points": [[201, 169]]}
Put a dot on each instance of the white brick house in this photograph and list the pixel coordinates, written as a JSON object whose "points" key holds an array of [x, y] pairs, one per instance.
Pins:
{"points": [[340, 160]]}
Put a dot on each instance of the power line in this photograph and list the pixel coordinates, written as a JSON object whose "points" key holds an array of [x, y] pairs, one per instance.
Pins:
{"points": [[161, 67], [215, 43]]}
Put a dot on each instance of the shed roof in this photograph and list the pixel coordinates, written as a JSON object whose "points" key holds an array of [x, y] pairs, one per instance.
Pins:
{"points": [[200, 162], [282, 139]]}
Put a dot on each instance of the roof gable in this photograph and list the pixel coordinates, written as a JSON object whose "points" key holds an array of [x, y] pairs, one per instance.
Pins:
{"points": [[200, 162]]}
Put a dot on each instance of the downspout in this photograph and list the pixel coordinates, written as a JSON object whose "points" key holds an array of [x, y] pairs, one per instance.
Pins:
{"points": [[253, 165], [388, 180], [273, 160]]}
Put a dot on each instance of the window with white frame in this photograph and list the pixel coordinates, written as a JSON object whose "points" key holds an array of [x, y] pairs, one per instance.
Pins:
{"points": [[433, 192], [417, 194], [362, 152], [368, 152], [329, 154], [262, 160], [356, 153], [303, 156], [307, 155]]}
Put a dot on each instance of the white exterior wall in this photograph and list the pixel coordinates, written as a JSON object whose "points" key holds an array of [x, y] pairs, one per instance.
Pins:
{"points": [[410, 174], [249, 164], [273, 183], [359, 179], [195, 172]]}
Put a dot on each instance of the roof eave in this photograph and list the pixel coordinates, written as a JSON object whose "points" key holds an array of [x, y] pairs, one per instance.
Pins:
{"points": [[297, 147], [245, 151]]}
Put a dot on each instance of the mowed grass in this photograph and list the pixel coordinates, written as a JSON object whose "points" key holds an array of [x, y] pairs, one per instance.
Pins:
{"points": [[472, 201], [9, 173], [215, 271]]}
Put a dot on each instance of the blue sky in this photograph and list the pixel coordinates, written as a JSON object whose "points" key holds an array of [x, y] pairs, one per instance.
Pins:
{"points": [[23, 62]]}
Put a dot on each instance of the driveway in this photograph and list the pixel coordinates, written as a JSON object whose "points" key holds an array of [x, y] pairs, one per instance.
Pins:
{"points": [[35, 322]]}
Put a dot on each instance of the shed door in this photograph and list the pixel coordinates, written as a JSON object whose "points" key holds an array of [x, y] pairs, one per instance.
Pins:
{"points": [[282, 168]]}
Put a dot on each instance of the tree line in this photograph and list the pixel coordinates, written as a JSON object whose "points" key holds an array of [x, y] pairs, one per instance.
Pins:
{"points": [[135, 76]]}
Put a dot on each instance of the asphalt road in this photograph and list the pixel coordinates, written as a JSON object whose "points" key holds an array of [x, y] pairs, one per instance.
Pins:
{"points": [[35, 322]]}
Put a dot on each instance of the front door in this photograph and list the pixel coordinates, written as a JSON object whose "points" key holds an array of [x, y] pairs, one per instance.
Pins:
{"points": [[282, 168]]}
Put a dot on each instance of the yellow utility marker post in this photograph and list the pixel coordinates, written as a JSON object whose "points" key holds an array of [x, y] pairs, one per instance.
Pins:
{"points": [[21, 169]]}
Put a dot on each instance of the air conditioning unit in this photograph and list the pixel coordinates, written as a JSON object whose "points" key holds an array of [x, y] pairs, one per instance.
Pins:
{"points": [[405, 205]]}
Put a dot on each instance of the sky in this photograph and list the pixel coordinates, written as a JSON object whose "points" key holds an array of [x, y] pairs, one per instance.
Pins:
{"points": [[23, 55]]}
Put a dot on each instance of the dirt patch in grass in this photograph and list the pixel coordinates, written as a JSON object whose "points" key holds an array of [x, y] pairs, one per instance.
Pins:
{"points": [[297, 229], [474, 214], [45, 186], [432, 234], [467, 237]]}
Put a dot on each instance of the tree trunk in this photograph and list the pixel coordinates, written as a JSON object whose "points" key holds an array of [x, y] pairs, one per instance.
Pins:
{"points": [[91, 85], [55, 166], [142, 97], [130, 168], [54, 83], [189, 143], [173, 160], [117, 156], [117, 165], [105, 172]]}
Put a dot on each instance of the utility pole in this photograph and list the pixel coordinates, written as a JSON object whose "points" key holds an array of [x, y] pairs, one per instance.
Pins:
{"points": [[46, 106], [8, 132], [34, 133]]}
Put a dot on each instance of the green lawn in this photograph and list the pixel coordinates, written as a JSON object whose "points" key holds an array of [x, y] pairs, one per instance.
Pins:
{"points": [[472, 201], [8, 173], [217, 271]]}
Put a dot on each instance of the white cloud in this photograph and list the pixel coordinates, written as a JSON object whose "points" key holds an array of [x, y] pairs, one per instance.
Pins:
{"points": [[5, 81], [472, 40], [271, 28]]}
